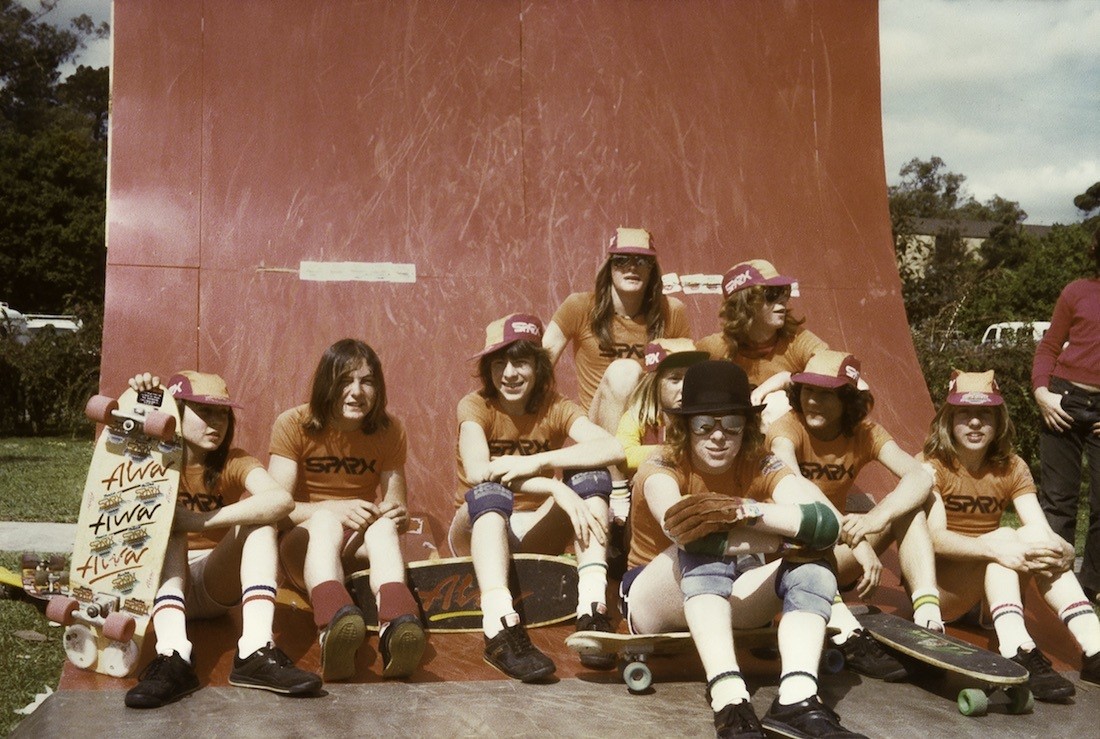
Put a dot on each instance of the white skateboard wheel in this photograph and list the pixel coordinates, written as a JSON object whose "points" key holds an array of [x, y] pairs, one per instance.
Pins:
{"points": [[80, 646], [119, 658]]}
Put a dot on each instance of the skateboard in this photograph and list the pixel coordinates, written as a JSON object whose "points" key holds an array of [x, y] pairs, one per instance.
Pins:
{"points": [[122, 531], [991, 671], [544, 587], [634, 650], [38, 580]]}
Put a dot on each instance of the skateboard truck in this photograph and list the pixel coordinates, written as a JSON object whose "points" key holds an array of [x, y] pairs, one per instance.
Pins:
{"points": [[83, 619]]}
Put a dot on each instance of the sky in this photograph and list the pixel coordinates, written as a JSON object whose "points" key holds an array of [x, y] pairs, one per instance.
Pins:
{"points": [[1005, 92]]}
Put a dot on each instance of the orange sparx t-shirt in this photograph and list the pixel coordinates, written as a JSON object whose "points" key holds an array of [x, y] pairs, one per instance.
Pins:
{"points": [[975, 503], [761, 362], [754, 476], [333, 465], [630, 336], [194, 496], [544, 430], [831, 465]]}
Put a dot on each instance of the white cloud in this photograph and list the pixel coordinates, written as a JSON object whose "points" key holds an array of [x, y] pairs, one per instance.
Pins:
{"points": [[1006, 93]]}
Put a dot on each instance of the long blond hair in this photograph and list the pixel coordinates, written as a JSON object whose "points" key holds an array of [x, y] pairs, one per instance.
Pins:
{"points": [[940, 444]]}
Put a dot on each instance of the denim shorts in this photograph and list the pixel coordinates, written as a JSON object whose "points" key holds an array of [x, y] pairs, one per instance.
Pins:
{"points": [[703, 574]]}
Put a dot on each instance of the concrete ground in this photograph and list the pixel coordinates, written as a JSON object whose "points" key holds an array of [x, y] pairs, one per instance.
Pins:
{"points": [[580, 707]]}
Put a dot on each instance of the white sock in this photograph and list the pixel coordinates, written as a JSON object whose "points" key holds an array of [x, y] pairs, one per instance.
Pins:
{"points": [[926, 609], [1008, 622], [592, 587], [842, 618], [795, 687], [170, 623], [1082, 622], [495, 605], [257, 615], [726, 689]]}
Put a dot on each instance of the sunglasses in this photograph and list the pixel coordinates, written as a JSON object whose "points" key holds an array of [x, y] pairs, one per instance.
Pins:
{"points": [[776, 293], [704, 425], [631, 260]]}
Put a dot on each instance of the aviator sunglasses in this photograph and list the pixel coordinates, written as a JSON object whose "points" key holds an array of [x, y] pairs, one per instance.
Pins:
{"points": [[703, 425], [776, 293], [636, 261]]}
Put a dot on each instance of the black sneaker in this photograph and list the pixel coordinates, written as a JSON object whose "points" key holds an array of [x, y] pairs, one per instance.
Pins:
{"points": [[865, 655], [402, 645], [808, 718], [596, 621], [512, 652], [339, 643], [1090, 668], [738, 720], [1044, 682], [268, 668], [164, 680]]}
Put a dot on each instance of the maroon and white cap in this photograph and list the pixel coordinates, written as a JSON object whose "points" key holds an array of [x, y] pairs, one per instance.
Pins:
{"points": [[632, 241], [831, 369], [974, 388], [200, 387], [510, 329], [751, 273], [672, 353]]}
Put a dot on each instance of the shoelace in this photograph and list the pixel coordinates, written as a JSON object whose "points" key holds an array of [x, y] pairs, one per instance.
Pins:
{"points": [[154, 668], [518, 640]]}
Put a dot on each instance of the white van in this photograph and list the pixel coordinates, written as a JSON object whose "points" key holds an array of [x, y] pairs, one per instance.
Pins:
{"points": [[1010, 332]]}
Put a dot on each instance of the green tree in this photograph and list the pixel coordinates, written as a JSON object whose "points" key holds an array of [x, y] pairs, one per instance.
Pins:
{"points": [[53, 163], [1089, 200]]}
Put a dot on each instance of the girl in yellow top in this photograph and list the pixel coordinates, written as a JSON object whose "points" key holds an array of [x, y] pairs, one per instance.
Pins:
{"points": [[611, 326], [760, 334], [222, 551], [977, 475], [828, 438]]}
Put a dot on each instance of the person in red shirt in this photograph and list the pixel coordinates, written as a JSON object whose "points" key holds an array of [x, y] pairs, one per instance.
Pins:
{"points": [[222, 552], [977, 476], [512, 436], [1065, 380], [342, 455], [761, 334]]}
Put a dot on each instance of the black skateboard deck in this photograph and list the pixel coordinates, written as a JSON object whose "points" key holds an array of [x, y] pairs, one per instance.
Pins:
{"points": [[544, 588], [992, 671]]}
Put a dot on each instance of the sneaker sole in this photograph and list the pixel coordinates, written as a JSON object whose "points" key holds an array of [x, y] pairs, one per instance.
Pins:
{"points": [[783, 729], [406, 647], [341, 646], [598, 661], [533, 677], [304, 688]]}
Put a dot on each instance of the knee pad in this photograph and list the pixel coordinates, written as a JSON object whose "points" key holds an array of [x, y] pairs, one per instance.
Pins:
{"points": [[819, 528], [588, 483], [489, 496], [806, 586]]}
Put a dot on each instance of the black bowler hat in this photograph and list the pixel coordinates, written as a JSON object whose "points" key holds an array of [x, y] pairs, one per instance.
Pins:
{"points": [[716, 386]]}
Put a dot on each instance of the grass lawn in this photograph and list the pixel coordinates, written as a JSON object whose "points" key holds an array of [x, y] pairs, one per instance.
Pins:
{"points": [[41, 479]]}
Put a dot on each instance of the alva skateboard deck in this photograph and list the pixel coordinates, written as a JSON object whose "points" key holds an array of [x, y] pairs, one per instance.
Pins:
{"points": [[122, 532], [991, 671], [544, 589], [634, 650]]}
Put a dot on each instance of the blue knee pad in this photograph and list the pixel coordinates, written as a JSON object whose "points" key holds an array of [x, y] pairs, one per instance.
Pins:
{"points": [[588, 483], [806, 586], [488, 497]]}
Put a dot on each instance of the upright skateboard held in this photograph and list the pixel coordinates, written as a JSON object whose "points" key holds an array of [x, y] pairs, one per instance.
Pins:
{"points": [[125, 521]]}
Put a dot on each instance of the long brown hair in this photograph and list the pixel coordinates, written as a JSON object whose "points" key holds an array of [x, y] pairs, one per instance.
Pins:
{"points": [[213, 463], [654, 305], [855, 405], [516, 351], [737, 313], [940, 443], [338, 361]]}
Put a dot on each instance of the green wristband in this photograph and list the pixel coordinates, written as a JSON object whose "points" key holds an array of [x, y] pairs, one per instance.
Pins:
{"points": [[713, 545]]}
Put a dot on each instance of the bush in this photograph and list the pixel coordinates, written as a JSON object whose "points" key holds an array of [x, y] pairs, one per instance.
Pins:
{"points": [[45, 383]]}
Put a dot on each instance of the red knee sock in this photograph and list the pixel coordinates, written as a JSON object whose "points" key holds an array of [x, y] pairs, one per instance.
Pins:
{"points": [[327, 598]]}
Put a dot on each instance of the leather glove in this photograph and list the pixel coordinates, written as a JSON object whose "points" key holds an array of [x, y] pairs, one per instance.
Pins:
{"points": [[695, 516]]}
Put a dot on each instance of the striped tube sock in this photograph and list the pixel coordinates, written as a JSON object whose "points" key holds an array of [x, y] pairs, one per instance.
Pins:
{"points": [[727, 688], [1082, 622], [257, 615], [1008, 622], [926, 609], [796, 686], [170, 623]]}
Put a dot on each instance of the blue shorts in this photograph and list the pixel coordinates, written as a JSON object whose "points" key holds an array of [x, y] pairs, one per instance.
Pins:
{"points": [[703, 574], [806, 586]]}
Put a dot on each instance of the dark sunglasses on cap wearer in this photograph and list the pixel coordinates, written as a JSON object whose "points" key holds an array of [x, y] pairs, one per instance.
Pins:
{"points": [[636, 261], [703, 425], [776, 293]]}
